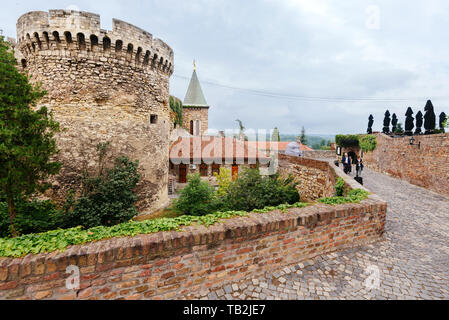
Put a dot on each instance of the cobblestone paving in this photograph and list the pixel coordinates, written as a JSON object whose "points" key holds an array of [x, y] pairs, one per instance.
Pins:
{"points": [[412, 262]]}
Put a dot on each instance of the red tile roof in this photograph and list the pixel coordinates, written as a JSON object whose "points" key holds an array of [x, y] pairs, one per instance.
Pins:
{"points": [[215, 148]]}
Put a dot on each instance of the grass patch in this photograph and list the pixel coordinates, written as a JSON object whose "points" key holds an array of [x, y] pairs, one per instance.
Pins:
{"points": [[354, 196]]}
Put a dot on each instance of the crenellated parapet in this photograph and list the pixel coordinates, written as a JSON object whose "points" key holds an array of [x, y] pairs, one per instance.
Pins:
{"points": [[101, 86], [79, 34]]}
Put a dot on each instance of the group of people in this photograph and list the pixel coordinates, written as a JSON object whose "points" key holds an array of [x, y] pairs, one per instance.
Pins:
{"points": [[347, 164]]}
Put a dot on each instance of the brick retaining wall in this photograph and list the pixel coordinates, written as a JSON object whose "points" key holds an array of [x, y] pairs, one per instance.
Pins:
{"points": [[173, 265]]}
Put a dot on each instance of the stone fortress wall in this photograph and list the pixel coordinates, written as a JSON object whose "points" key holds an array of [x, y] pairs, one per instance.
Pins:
{"points": [[425, 166], [102, 86]]}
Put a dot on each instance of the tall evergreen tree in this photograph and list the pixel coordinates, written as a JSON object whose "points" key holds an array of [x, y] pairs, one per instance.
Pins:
{"points": [[386, 128], [442, 121], [429, 118], [370, 124], [394, 122], [419, 122], [27, 141], [409, 122]]}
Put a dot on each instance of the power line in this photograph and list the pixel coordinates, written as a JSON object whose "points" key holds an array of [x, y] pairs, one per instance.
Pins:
{"points": [[266, 93]]}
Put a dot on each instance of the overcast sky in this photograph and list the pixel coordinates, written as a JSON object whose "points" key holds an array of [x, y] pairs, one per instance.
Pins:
{"points": [[324, 65]]}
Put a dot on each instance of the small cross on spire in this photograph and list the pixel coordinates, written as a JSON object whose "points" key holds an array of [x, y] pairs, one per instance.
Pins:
{"points": [[194, 65]]}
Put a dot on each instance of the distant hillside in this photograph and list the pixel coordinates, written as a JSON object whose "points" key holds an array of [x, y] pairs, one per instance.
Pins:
{"points": [[315, 141]]}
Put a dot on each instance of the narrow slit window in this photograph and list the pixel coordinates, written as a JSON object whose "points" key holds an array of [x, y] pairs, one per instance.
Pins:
{"points": [[153, 119]]}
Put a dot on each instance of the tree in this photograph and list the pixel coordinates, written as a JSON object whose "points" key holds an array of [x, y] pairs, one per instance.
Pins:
{"points": [[409, 122], [394, 122], [27, 141], [303, 136], [196, 198], [387, 119], [429, 118], [419, 122], [399, 129], [370, 124], [443, 119]]}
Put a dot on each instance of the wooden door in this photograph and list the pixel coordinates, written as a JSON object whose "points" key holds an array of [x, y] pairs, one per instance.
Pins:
{"points": [[182, 173]]}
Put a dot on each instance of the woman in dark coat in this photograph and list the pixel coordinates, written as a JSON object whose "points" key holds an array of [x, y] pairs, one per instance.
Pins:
{"points": [[359, 166]]}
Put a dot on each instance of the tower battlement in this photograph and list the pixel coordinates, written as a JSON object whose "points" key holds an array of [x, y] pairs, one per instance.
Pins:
{"points": [[101, 86], [78, 34]]}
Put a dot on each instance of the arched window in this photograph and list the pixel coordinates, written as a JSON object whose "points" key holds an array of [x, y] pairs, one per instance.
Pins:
{"points": [[153, 62], [24, 63], [56, 37], [68, 37], [138, 55], [38, 40], [191, 127], [146, 59], [161, 62], [106, 44], [129, 52], [93, 42], [81, 41], [118, 46], [46, 39]]}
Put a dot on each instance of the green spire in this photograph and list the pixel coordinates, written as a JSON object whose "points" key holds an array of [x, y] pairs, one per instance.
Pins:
{"points": [[195, 96]]}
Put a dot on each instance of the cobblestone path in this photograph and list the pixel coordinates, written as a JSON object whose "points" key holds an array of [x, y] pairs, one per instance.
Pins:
{"points": [[412, 262]]}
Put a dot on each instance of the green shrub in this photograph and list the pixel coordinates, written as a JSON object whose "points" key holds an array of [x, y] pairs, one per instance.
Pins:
{"points": [[252, 191], [108, 198], [224, 180], [368, 143], [346, 141], [340, 187], [197, 198], [32, 217]]}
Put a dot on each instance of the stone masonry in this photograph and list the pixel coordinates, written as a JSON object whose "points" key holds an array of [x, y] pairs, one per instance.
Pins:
{"points": [[426, 166], [316, 178], [102, 86]]}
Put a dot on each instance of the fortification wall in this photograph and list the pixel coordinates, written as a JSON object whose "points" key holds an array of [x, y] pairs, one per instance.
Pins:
{"points": [[316, 178], [102, 86], [426, 166], [189, 263], [320, 154]]}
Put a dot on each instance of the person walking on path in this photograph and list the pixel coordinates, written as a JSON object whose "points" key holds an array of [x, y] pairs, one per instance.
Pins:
{"points": [[346, 163], [359, 166]]}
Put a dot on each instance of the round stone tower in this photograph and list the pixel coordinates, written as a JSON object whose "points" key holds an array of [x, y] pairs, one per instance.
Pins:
{"points": [[103, 86]]}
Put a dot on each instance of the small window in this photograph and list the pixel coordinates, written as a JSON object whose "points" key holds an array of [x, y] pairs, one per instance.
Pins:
{"points": [[153, 119], [24, 63], [203, 170]]}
